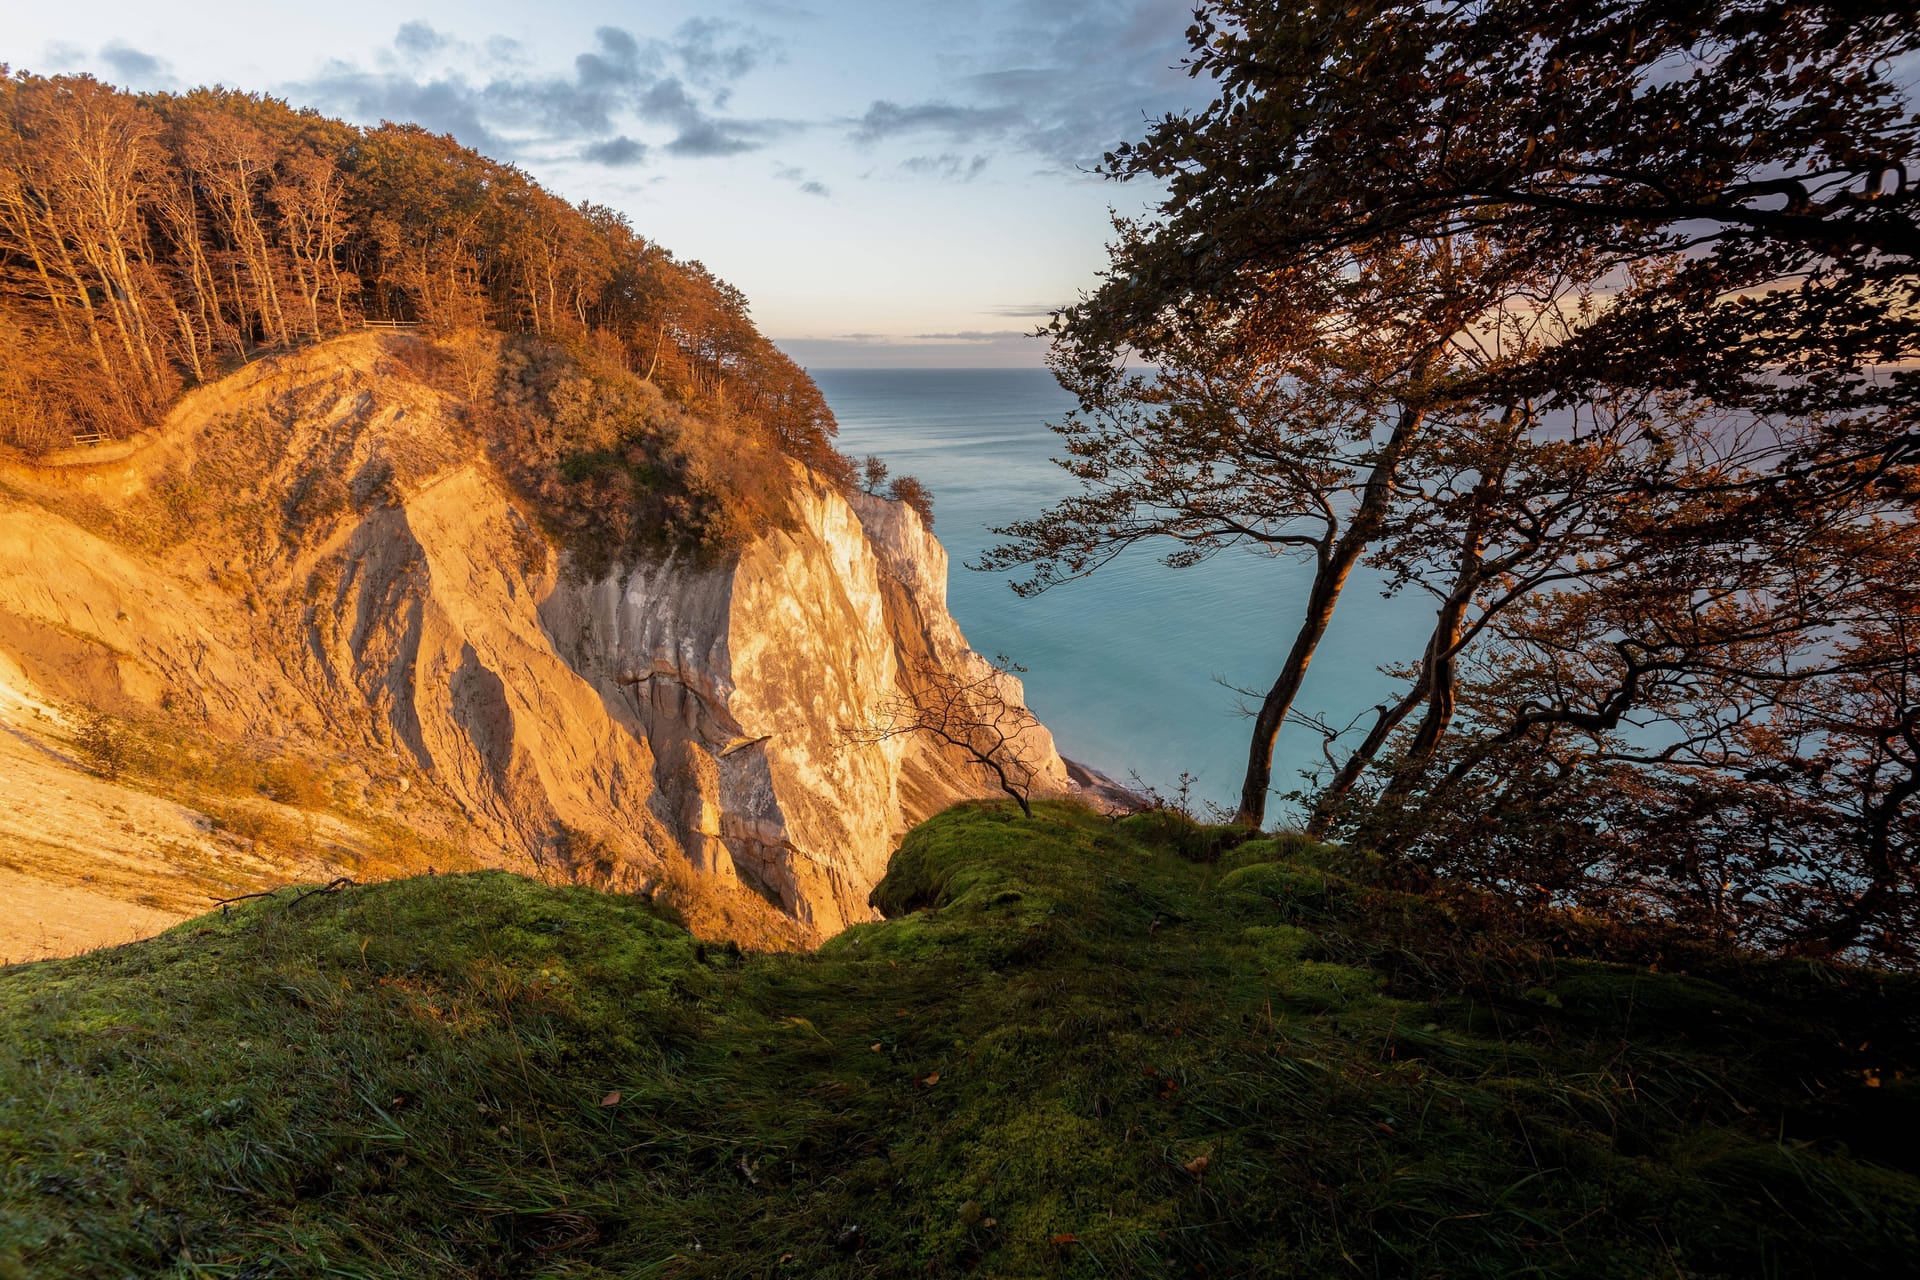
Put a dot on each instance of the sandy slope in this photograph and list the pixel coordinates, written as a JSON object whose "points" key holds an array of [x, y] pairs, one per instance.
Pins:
{"points": [[85, 861], [44, 920]]}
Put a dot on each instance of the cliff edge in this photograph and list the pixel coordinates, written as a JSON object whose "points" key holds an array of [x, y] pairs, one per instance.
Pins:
{"points": [[312, 618]]}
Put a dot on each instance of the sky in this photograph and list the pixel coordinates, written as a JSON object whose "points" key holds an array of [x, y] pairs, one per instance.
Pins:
{"points": [[892, 183]]}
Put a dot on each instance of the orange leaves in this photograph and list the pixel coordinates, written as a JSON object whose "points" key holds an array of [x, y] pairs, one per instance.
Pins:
{"points": [[611, 1100], [1168, 1085]]}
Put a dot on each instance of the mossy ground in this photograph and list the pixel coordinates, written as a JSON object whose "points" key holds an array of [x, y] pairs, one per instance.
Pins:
{"points": [[1072, 1049]]}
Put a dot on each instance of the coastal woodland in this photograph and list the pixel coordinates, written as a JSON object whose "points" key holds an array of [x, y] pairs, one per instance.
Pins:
{"points": [[1593, 325], [151, 243]]}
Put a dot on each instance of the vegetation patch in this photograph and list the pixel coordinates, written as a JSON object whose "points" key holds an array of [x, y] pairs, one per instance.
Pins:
{"points": [[1070, 1050]]}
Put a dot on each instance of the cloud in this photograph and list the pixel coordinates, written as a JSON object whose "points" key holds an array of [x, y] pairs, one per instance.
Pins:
{"points": [[972, 335], [779, 9], [1065, 81], [1025, 310], [448, 105], [505, 51], [889, 119], [60, 55], [795, 174], [714, 138], [600, 108], [135, 65], [948, 165], [419, 40], [884, 351], [717, 52], [618, 153]]}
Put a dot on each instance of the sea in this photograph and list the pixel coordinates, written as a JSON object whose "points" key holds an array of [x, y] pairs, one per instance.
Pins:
{"points": [[1138, 668]]}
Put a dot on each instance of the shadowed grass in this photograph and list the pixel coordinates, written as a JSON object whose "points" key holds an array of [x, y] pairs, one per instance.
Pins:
{"points": [[1076, 1047]]}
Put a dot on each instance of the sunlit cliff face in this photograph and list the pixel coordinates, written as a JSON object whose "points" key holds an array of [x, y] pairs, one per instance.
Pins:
{"points": [[673, 726]]}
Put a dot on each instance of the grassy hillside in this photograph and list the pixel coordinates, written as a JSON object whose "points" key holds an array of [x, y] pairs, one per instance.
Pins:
{"points": [[1072, 1049]]}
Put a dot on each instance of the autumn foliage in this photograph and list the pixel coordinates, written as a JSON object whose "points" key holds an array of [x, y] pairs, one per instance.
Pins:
{"points": [[1593, 326], [151, 242]]}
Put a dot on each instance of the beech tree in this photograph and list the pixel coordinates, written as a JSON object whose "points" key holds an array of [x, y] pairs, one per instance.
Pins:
{"points": [[1768, 142], [1284, 419], [910, 490], [1722, 189], [1730, 746], [150, 241]]}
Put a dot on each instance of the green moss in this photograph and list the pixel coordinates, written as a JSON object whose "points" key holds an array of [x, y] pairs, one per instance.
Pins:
{"points": [[1275, 947], [1287, 846], [1294, 890], [1072, 1049]]}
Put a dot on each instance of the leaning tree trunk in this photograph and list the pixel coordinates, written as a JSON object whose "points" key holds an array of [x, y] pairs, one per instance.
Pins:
{"points": [[1329, 580]]}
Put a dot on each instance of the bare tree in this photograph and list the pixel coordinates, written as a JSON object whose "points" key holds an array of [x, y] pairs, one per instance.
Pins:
{"points": [[971, 713]]}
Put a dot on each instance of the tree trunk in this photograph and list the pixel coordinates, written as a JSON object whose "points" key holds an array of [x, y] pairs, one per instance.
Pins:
{"points": [[1328, 582], [1327, 805], [1441, 661]]}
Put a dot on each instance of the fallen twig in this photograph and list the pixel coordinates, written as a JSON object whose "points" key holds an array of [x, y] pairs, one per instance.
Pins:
{"points": [[224, 903], [332, 886]]}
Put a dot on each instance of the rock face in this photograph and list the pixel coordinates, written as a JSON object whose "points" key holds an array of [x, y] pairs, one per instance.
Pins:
{"points": [[745, 679], [309, 559]]}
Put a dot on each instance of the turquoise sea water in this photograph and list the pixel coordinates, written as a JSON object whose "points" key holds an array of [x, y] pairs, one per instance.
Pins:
{"points": [[1128, 667]]}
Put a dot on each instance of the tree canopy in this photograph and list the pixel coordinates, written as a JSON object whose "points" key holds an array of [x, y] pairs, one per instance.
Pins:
{"points": [[149, 242], [1596, 322]]}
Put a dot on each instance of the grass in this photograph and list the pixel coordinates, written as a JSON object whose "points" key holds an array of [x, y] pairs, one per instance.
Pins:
{"points": [[1072, 1049]]}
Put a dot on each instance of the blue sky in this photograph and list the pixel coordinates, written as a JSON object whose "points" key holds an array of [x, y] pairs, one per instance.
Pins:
{"points": [[890, 183]]}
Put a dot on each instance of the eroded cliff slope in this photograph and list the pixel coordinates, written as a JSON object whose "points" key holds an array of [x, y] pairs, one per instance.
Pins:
{"points": [[311, 579]]}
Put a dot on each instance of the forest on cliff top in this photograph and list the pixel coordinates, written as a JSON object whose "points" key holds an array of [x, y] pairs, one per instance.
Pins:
{"points": [[150, 243]]}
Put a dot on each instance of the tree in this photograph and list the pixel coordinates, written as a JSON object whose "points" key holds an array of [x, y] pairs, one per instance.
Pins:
{"points": [[972, 713], [1768, 141], [102, 744], [1732, 750], [873, 473], [1619, 164], [145, 239], [79, 159], [1281, 419], [909, 490]]}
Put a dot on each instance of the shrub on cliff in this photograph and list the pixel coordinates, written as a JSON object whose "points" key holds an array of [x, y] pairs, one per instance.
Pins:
{"points": [[617, 468]]}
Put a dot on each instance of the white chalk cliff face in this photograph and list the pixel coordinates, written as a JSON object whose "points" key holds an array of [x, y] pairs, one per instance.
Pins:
{"points": [[743, 679], [310, 560]]}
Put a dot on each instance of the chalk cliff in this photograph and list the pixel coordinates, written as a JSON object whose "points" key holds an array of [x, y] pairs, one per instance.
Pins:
{"points": [[311, 562]]}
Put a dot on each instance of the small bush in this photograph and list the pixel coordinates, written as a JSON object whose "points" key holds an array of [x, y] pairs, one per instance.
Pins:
{"points": [[102, 743], [296, 783], [909, 490], [253, 823]]}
